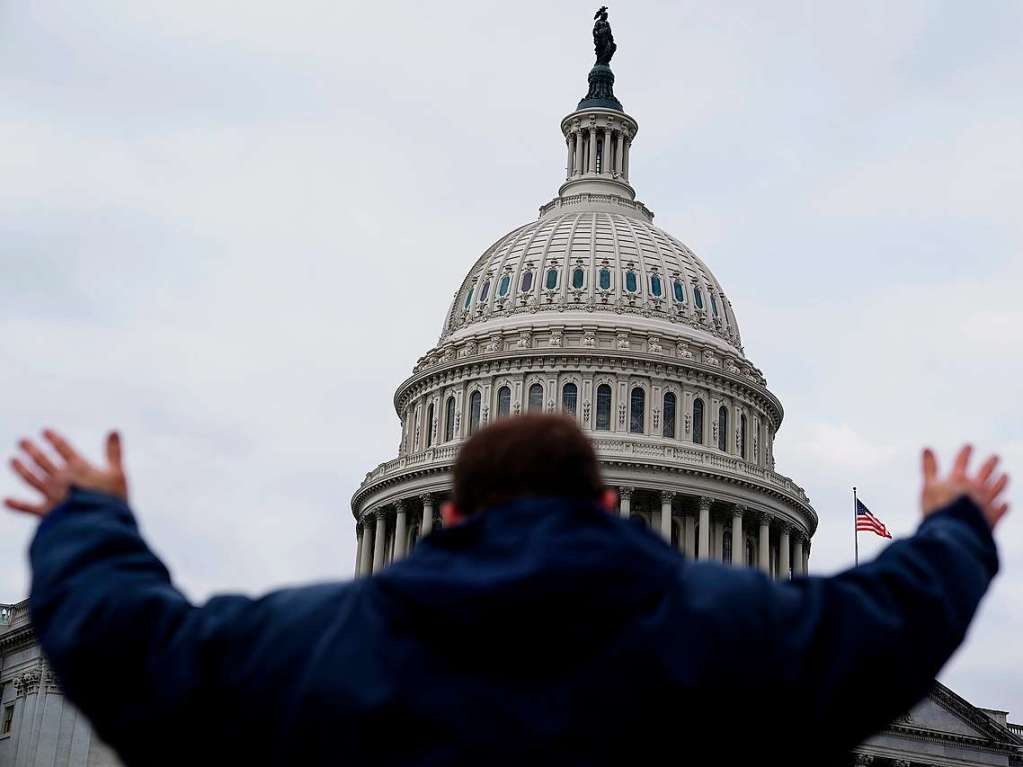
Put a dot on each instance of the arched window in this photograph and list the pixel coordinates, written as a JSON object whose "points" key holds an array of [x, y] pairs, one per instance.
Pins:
{"points": [[631, 284], [449, 420], [604, 279], [578, 278], [600, 152], [603, 408], [552, 279], [726, 546], [429, 425], [569, 396], [468, 299], [698, 421], [503, 285], [713, 305], [475, 400], [527, 282], [637, 416], [484, 291], [535, 398], [742, 436], [669, 415], [698, 297], [680, 291], [655, 286], [722, 428], [503, 401]]}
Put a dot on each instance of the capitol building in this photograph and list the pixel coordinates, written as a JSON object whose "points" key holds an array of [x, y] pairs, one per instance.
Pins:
{"points": [[593, 311]]}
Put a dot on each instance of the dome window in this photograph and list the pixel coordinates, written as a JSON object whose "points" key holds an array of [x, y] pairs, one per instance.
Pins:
{"points": [[631, 284], [449, 420], [578, 278], [429, 426], [569, 397], [474, 412], [723, 429], [604, 279], [485, 291], [637, 415], [603, 408], [698, 421], [655, 286], [503, 285], [535, 398], [680, 291], [552, 279], [713, 305], [698, 297], [503, 402], [669, 415], [527, 282], [468, 299]]}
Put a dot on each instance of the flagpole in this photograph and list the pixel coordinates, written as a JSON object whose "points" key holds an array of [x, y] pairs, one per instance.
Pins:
{"points": [[856, 539]]}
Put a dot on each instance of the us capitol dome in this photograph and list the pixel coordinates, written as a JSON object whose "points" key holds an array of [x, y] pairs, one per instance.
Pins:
{"points": [[593, 311]]}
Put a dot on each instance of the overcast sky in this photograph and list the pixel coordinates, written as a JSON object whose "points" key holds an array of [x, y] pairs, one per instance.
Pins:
{"points": [[231, 229]]}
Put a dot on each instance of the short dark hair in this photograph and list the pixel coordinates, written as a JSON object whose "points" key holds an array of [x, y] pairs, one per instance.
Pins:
{"points": [[525, 455]]}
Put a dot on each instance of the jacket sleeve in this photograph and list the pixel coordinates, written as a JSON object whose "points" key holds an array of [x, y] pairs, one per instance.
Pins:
{"points": [[141, 661], [840, 657]]}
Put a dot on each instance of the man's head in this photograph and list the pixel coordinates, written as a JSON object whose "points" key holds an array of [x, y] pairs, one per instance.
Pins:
{"points": [[525, 455]]}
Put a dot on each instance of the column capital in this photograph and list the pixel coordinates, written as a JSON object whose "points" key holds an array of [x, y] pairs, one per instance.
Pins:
{"points": [[625, 492], [380, 514], [738, 511], [400, 504], [764, 518], [705, 502], [785, 528], [667, 495], [426, 498]]}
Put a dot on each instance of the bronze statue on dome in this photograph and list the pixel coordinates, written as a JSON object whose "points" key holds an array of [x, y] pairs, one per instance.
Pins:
{"points": [[603, 40]]}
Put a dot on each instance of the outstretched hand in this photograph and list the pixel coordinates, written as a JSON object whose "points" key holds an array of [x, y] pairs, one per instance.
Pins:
{"points": [[53, 476], [984, 486]]}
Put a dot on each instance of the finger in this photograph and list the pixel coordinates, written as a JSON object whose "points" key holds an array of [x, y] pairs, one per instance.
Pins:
{"points": [[61, 445], [22, 471], [28, 508], [41, 459], [991, 493], [962, 461], [114, 450], [987, 470], [930, 465], [998, 513]]}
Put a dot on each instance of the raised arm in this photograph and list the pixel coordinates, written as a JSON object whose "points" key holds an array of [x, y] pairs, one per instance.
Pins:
{"points": [[128, 648], [840, 657]]}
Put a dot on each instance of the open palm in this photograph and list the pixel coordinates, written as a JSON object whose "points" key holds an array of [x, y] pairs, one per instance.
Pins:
{"points": [[53, 476]]}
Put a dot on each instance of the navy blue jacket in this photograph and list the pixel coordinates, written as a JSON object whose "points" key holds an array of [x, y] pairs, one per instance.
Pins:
{"points": [[540, 632]]}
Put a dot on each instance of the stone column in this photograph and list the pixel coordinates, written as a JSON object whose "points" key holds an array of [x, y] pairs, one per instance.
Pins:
{"points": [[738, 549], [578, 165], [764, 560], [358, 549], [704, 547], [784, 550], [400, 530], [379, 541], [366, 555], [427, 523], [605, 159], [806, 557], [666, 496], [797, 556], [568, 165], [592, 161], [625, 161], [625, 502], [621, 151]]}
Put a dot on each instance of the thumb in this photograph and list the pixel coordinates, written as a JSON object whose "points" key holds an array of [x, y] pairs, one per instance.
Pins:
{"points": [[114, 450]]}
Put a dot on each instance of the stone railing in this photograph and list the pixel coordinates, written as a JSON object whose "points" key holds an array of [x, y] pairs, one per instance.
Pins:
{"points": [[1015, 729], [689, 456], [13, 616]]}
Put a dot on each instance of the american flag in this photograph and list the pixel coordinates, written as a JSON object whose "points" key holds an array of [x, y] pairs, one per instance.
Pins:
{"points": [[868, 522]]}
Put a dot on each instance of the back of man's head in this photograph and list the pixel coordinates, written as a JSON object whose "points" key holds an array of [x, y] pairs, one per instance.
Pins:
{"points": [[525, 455]]}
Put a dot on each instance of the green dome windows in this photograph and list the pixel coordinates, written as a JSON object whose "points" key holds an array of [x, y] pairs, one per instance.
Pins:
{"points": [[503, 285], [631, 283], [698, 297], [655, 286], [485, 291], [578, 278], [552, 279], [604, 278], [713, 305], [527, 282], [679, 289], [468, 299]]}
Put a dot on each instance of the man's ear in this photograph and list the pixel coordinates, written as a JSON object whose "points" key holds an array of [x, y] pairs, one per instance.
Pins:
{"points": [[609, 500], [449, 514]]}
